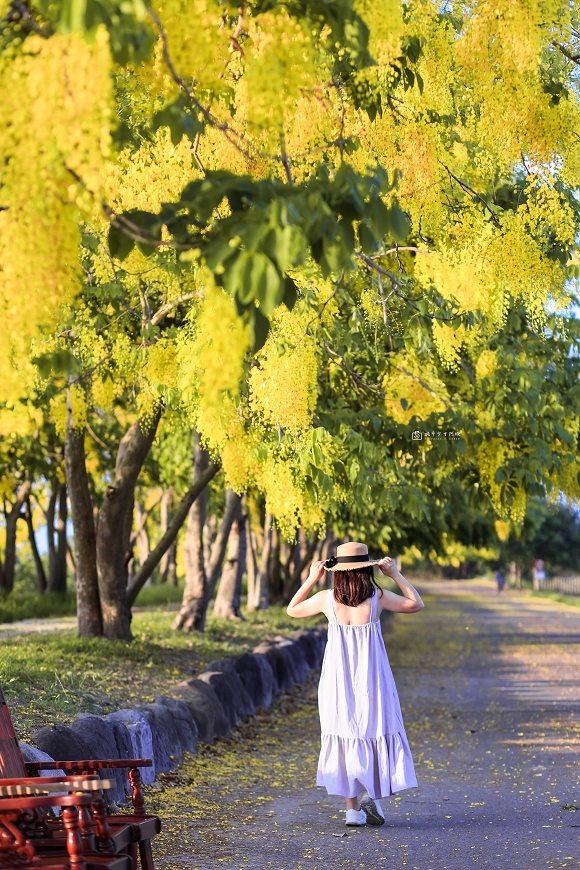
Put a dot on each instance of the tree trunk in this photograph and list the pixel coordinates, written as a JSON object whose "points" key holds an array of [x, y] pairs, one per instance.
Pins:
{"points": [[251, 566], [40, 572], [114, 530], [170, 535], [209, 533], [164, 510], [261, 599], [89, 616], [142, 537], [515, 575], [276, 590], [50, 516], [171, 572], [193, 612], [194, 559], [306, 555], [58, 558], [227, 603], [287, 556], [11, 521]]}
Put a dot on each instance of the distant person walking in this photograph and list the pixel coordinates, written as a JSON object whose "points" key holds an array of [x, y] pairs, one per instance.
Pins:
{"points": [[500, 580], [538, 573], [365, 755]]}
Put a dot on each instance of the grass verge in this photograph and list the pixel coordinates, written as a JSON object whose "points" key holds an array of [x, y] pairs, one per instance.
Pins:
{"points": [[572, 600], [50, 678]]}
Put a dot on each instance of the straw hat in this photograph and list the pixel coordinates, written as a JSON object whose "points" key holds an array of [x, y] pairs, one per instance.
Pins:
{"points": [[349, 557]]}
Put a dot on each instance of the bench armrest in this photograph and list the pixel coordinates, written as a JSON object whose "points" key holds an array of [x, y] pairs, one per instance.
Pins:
{"points": [[92, 764]]}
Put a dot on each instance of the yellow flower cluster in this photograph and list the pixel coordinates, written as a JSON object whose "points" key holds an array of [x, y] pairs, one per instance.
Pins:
{"points": [[104, 392], [448, 342], [413, 390], [161, 368], [54, 128], [283, 489], [153, 174], [486, 364], [220, 347], [199, 42], [284, 384], [277, 71]]}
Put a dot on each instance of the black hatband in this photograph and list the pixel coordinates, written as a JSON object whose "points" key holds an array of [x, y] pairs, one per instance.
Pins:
{"points": [[353, 558]]}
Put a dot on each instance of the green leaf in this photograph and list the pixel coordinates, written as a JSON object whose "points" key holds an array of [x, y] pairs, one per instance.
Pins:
{"points": [[379, 218], [335, 256], [217, 253], [290, 293], [290, 248], [399, 223], [311, 489], [233, 278], [59, 362], [259, 326], [90, 241], [500, 475], [353, 471], [120, 245], [367, 240], [266, 282], [412, 48], [180, 120], [409, 78]]}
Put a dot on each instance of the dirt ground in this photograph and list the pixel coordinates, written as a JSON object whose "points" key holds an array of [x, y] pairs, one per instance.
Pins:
{"points": [[489, 690]]}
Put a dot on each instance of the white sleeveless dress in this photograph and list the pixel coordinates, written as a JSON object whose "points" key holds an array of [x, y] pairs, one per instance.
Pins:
{"points": [[364, 744]]}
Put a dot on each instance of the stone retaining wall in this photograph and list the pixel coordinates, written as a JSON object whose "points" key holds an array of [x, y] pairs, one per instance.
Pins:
{"points": [[228, 692]]}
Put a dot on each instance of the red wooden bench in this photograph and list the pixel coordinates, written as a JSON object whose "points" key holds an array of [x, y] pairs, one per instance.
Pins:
{"points": [[18, 851], [129, 832]]}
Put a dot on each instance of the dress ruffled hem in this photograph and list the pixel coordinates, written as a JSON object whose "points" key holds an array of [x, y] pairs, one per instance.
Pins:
{"points": [[380, 765]]}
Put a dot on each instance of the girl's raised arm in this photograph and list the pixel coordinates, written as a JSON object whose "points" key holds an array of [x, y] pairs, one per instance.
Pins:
{"points": [[410, 602], [300, 607]]}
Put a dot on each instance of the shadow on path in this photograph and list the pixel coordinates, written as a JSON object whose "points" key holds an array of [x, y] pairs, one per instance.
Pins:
{"points": [[489, 686]]}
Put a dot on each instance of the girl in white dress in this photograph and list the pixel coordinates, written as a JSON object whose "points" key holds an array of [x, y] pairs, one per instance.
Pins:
{"points": [[364, 744]]}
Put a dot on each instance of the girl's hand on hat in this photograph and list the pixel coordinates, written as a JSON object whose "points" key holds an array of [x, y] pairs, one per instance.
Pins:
{"points": [[317, 571], [388, 567]]}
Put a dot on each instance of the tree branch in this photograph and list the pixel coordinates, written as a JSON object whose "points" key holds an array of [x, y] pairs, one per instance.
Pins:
{"points": [[169, 306], [400, 248], [231, 135], [385, 315], [356, 378], [575, 58], [395, 285], [465, 187], [425, 386], [467, 371]]}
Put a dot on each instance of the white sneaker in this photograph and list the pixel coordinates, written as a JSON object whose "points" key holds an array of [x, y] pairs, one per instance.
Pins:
{"points": [[373, 811], [355, 818]]}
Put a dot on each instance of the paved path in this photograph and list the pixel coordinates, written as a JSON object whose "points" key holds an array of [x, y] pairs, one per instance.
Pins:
{"points": [[489, 687]]}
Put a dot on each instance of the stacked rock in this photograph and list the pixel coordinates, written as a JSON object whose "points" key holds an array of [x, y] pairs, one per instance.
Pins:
{"points": [[228, 692]]}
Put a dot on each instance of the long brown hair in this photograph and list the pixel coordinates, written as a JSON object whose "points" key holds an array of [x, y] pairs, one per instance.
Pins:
{"points": [[354, 587]]}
